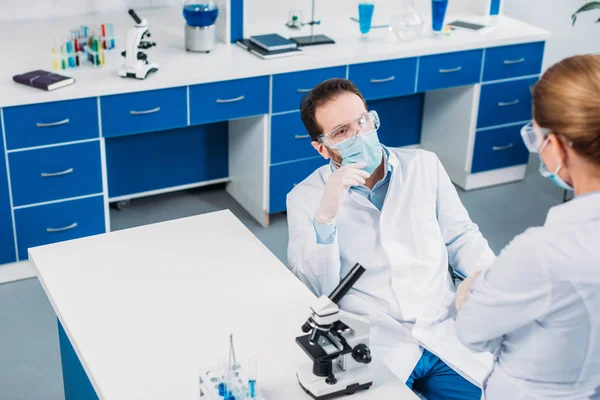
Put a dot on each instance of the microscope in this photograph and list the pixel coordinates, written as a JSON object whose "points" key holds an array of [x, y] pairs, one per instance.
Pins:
{"points": [[337, 342], [136, 62]]}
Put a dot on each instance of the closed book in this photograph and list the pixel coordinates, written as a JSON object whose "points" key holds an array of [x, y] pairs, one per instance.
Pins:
{"points": [[265, 54], [273, 42], [43, 80]]}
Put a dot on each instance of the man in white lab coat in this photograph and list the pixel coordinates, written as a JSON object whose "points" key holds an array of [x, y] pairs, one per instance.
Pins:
{"points": [[394, 211]]}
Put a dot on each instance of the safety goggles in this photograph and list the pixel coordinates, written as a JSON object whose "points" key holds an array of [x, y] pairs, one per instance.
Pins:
{"points": [[345, 135], [534, 137]]}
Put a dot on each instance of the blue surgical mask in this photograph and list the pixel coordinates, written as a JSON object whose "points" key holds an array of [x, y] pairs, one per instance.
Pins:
{"points": [[365, 148], [553, 176]]}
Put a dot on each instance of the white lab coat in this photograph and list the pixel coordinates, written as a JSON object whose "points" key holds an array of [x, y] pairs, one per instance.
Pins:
{"points": [[538, 309], [405, 249]]}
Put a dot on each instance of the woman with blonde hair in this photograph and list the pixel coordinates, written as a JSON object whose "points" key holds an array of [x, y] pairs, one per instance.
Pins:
{"points": [[537, 309]]}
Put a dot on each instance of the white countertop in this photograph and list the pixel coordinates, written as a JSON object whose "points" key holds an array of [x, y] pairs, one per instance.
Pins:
{"points": [[147, 308], [27, 46]]}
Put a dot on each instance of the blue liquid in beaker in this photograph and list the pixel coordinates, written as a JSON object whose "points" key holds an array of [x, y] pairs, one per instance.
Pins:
{"points": [[200, 14], [438, 13], [365, 15]]}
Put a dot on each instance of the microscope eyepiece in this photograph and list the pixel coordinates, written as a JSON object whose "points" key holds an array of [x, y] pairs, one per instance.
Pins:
{"points": [[347, 283], [135, 16]]}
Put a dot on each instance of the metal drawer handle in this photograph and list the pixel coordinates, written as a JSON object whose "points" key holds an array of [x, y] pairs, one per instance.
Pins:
{"points": [[61, 173], [391, 78], [303, 90], [302, 137], [154, 110], [508, 103], [230, 100], [446, 71], [508, 62], [500, 148], [64, 228], [46, 125]]}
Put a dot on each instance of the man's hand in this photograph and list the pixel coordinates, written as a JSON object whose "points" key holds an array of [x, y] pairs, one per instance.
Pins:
{"points": [[464, 289], [338, 184]]}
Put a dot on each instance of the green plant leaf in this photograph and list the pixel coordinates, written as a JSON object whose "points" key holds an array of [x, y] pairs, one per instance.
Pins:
{"points": [[586, 7]]}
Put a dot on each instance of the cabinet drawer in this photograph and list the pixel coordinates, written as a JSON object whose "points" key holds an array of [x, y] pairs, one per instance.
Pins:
{"points": [[55, 173], [57, 222], [222, 101], [401, 119], [50, 123], [505, 102], [159, 160], [7, 239], [126, 114], [512, 61], [385, 78], [288, 89], [448, 70], [498, 148], [285, 176], [289, 139]]}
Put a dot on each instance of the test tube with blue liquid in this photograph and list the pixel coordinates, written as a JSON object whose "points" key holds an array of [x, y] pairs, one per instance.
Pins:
{"points": [[365, 17], [252, 375], [438, 13]]}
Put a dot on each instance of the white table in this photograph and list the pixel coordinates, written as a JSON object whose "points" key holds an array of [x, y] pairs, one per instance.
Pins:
{"points": [[144, 309]]}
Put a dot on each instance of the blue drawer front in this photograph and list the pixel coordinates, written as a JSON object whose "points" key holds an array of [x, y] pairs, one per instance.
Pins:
{"points": [[385, 78], [285, 176], [57, 222], [51, 123], [512, 61], [222, 101], [288, 89], [401, 119], [126, 114], [289, 139], [165, 159], [448, 70], [498, 148], [7, 242], [505, 102], [55, 173]]}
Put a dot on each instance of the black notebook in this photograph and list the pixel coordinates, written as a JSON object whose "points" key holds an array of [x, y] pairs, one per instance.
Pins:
{"points": [[265, 54], [43, 80]]}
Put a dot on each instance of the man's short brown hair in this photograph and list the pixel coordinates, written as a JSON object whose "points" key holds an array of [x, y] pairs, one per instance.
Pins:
{"points": [[319, 95]]}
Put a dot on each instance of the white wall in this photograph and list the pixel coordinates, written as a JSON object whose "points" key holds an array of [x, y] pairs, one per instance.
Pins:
{"points": [[555, 16], [32, 9]]}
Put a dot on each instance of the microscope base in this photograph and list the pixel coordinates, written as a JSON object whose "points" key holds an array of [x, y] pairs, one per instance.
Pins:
{"points": [[348, 382], [138, 72]]}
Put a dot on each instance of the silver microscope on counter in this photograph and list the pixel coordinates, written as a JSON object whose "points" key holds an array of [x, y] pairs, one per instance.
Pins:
{"points": [[337, 342], [136, 62]]}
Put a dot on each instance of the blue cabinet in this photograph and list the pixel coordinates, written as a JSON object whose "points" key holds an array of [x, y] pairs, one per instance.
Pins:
{"points": [[383, 79], [51, 123], [7, 239], [289, 139], [511, 61], [401, 119], [58, 222], [126, 114], [159, 160], [288, 89], [285, 176], [505, 102], [55, 173], [222, 101], [498, 148], [448, 70]]}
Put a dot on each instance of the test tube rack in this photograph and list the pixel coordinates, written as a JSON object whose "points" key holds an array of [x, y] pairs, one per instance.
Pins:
{"points": [[84, 44], [213, 383]]}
